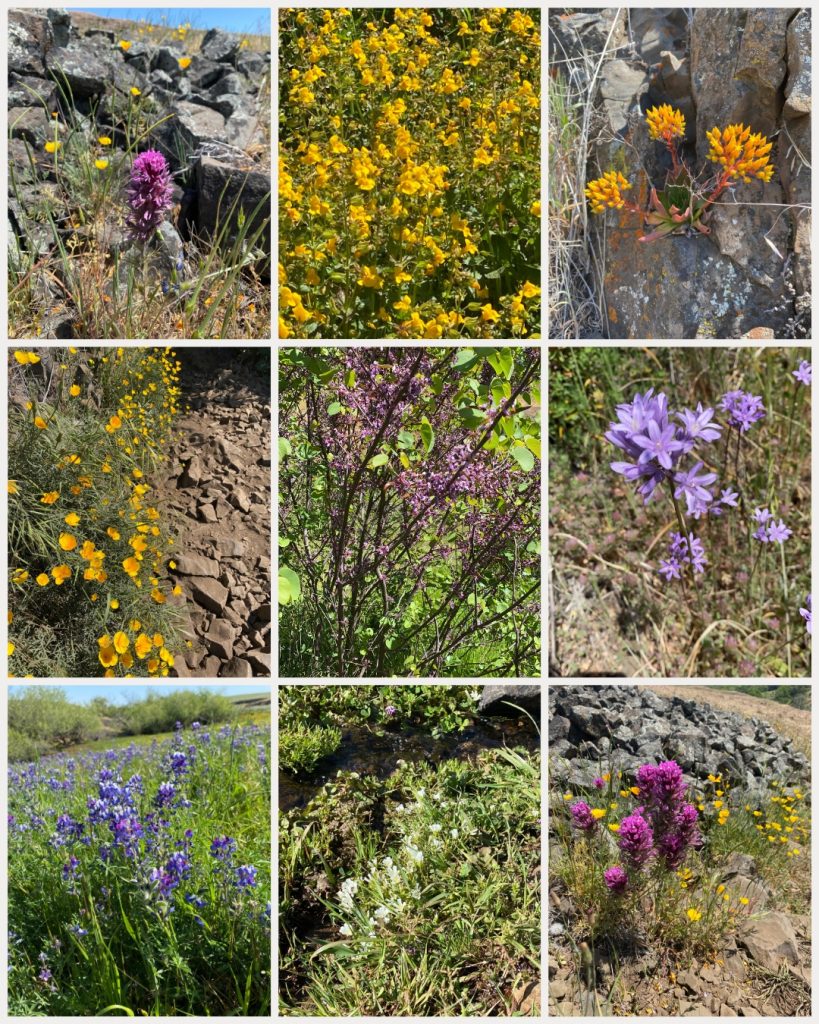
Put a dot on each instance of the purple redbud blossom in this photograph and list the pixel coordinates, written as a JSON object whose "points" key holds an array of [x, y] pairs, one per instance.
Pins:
{"points": [[803, 374], [149, 193], [616, 879]]}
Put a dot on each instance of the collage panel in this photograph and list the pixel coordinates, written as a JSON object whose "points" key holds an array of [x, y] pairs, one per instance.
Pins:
{"points": [[139, 850], [409, 172], [139, 159], [409, 512], [680, 512], [679, 850], [139, 512], [680, 172], [409, 850]]}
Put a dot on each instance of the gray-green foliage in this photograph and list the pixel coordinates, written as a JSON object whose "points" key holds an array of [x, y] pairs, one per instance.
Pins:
{"points": [[42, 716], [160, 713]]}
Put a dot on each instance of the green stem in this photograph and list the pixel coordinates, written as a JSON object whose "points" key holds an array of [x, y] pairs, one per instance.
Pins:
{"points": [[787, 605]]}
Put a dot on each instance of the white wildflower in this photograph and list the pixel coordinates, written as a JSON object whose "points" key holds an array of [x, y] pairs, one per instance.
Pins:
{"points": [[346, 930], [435, 828], [454, 833], [382, 914]]}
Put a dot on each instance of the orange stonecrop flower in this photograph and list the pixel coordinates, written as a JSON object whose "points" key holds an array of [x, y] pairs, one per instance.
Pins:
{"points": [[665, 123], [605, 191], [742, 154]]}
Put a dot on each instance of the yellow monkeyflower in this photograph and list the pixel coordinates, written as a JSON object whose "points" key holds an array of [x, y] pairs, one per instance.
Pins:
{"points": [[101, 164], [10, 649], [529, 291], [665, 123], [488, 313], [184, 63], [742, 154], [535, 208], [693, 914], [370, 278], [605, 191]]}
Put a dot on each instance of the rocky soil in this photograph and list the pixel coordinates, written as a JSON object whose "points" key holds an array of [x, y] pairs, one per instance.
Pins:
{"points": [[751, 276], [764, 969], [217, 488], [209, 119]]}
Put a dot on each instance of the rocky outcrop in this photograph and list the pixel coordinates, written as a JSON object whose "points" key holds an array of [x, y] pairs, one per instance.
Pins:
{"points": [[220, 462], [626, 726], [71, 83], [724, 66]]}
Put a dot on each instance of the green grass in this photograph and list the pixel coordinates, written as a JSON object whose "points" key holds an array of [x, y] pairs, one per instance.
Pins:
{"points": [[450, 854], [302, 748], [99, 936]]}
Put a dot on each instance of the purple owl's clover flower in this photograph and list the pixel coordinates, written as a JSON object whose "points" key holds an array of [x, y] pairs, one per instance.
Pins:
{"points": [[616, 879], [636, 840], [803, 374], [807, 615], [582, 817], [149, 193]]}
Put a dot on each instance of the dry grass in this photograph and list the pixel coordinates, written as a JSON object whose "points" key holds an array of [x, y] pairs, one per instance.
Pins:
{"points": [[159, 32]]}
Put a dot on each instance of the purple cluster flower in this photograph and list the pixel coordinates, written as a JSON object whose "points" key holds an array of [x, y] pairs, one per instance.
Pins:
{"points": [[636, 840], [390, 710], [655, 444], [223, 848], [807, 615], [582, 817], [245, 876], [683, 552], [149, 193], [599, 783], [673, 822], [769, 531], [176, 869], [803, 374], [743, 408], [662, 783], [616, 879]]}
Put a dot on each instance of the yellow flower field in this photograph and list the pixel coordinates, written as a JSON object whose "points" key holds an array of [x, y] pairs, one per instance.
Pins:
{"points": [[409, 166], [87, 546]]}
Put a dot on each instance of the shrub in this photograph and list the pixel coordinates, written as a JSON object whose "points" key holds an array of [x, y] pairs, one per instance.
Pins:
{"points": [[88, 549], [42, 718], [301, 748]]}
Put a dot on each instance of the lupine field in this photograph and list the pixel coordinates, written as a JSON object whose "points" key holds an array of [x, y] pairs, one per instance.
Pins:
{"points": [[409, 512], [680, 512], [409, 157], [139, 877]]}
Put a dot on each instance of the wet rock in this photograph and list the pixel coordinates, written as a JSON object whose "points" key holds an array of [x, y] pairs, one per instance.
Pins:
{"points": [[209, 593], [196, 565], [769, 939], [495, 699]]}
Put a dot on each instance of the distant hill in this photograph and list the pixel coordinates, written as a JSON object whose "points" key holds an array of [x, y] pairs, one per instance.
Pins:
{"points": [[796, 696]]}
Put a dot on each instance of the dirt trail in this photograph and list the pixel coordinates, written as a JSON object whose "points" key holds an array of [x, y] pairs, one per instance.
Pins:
{"points": [[217, 485], [788, 721]]}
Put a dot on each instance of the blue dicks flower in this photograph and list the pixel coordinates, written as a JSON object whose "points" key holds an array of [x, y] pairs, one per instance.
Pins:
{"points": [[769, 531], [807, 615], [743, 408], [683, 552], [658, 444], [245, 876], [698, 425], [778, 532], [692, 484], [729, 497], [803, 374]]}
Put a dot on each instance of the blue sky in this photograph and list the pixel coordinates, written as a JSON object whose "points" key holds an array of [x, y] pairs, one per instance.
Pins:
{"points": [[250, 20], [130, 692]]}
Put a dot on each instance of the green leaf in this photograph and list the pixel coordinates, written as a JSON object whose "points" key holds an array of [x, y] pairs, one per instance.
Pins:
{"points": [[471, 417], [406, 440], [501, 360], [427, 434], [524, 458], [378, 460], [289, 585], [533, 444], [284, 542], [349, 379], [334, 408], [285, 448], [466, 357]]}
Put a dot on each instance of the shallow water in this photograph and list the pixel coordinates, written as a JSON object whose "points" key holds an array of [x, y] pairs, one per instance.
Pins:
{"points": [[375, 752]]}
